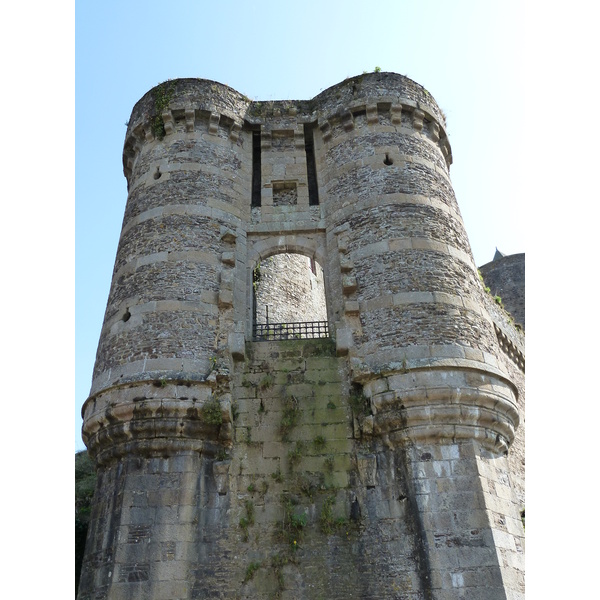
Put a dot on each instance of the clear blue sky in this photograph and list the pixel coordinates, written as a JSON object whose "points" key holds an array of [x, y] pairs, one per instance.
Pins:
{"points": [[518, 81], [464, 53]]}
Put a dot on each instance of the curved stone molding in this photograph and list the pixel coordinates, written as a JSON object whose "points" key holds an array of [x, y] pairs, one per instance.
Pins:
{"points": [[309, 245], [152, 369], [444, 404], [154, 419]]}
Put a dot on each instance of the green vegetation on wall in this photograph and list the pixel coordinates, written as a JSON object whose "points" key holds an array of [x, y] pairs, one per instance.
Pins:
{"points": [[162, 96]]}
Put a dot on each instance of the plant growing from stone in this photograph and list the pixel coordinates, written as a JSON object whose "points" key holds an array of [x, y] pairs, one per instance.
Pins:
{"points": [[248, 520], [266, 382], [290, 416], [319, 443], [162, 96], [211, 413], [295, 454], [250, 570], [293, 523]]}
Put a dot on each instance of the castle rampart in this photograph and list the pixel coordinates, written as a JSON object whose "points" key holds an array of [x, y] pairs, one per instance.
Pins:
{"points": [[236, 468]]}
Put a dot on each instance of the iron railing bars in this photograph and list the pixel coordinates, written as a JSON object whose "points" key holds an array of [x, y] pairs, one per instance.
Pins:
{"points": [[263, 332]]}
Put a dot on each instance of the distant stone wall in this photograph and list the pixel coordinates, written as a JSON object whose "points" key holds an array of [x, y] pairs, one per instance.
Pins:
{"points": [[506, 278]]}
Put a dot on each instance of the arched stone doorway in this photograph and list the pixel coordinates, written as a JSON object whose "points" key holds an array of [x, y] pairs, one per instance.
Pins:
{"points": [[288, 298]]}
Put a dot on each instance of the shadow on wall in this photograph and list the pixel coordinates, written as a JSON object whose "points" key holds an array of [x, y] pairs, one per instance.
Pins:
{"points": [[85, 482]]}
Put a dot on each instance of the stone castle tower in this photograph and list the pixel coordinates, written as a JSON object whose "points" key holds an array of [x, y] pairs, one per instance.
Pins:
{"points": [[302, 389]]}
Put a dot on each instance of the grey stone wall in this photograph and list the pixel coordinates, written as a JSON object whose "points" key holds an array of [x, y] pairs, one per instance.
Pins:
{"points": [[505, 276], [292, 287], [393, 453]]}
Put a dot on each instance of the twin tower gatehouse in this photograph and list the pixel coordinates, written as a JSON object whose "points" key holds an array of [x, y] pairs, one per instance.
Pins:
{"points": [[302, 389]]}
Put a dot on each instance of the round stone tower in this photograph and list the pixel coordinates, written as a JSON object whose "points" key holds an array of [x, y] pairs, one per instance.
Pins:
{"points": [[170, 304], [412, 295], [404, 419], [412, 320], [160, 400]]}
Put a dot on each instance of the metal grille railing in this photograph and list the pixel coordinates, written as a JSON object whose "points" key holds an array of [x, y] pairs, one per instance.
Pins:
{"points": [[263, 332]]}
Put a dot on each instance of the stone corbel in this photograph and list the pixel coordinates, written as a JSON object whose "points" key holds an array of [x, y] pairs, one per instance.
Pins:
{"points": [[418, 115], [213, 123], [228, 258], [227, 235], [349, 284], [347, 121], [342, 243], [167, 117], [234, 132], [299, 137], [325, 128], [346, 264], [396, 110], [372, 115], [445, 148], [351, 307], [265, 139], [148, 133], [190, 119]]}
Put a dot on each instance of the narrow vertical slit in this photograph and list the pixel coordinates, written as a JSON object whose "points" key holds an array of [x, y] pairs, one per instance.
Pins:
{"points": [[256, 182], [311, 166]]}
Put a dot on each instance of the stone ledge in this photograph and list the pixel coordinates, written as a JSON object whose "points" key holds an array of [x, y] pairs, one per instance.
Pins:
{"points": [[385, 363], [152, 420], [169, 369], [209, 210], [444, 404], [411, 298]]}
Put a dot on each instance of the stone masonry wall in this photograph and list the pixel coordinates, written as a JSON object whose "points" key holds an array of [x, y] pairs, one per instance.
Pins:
{"points": [[386, 461], [310, 500], [286, 284], [506, 278]]}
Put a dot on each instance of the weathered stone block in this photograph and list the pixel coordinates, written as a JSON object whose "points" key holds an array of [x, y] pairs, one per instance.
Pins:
{"points": [[344, 341], [237, 345]]}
